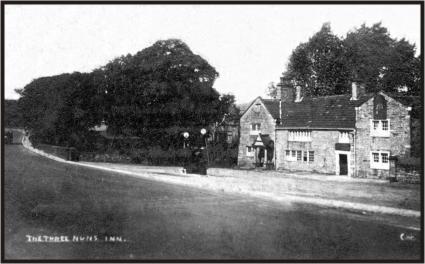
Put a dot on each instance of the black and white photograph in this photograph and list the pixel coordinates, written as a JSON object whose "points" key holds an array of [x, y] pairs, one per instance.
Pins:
{"points": [[212, 131]]}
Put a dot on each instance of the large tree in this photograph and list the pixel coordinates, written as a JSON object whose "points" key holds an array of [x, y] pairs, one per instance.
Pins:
{"points": [[318, 65], [326, 64], [61, 109], [12, 114], [160, 91]]}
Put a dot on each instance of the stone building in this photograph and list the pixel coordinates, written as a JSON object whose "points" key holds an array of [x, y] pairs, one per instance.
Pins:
{"points": [[352, 134], [257, 133]]}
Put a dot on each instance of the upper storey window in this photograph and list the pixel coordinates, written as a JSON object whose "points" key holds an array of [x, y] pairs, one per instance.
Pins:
{"points": [[380, 128], [255, 128]]}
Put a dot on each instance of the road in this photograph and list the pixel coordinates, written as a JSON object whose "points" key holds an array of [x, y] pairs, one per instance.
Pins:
{"points": [[162, 221]]}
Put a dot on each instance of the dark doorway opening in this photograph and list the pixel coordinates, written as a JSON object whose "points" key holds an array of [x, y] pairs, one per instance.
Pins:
{"points": [[343, 164]]}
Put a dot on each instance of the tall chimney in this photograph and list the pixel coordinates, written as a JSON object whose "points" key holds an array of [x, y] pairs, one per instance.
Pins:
{"points": [[298, 96], [357, 90], [279, 91], [285, 91]]}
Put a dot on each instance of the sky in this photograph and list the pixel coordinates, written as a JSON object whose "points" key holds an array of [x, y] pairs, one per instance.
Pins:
{"points": [[249, 45]]}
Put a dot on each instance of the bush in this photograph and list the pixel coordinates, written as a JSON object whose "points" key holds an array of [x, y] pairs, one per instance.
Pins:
{"points": [[409, 163]]}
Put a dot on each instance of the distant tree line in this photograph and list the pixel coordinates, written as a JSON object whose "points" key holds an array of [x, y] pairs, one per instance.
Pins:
{"points": [[12, 115], [327, 64], [155, 95]]}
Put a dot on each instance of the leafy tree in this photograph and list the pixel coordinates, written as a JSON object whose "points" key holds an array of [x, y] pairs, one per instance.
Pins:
{"points": [[326, 64], [318, 65], [271, 90], [12, 114], [161, 91], [60, 109], [155, 94]]}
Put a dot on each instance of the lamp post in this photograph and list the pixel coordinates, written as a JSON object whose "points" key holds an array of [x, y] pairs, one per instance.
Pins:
{"points": [[186, 136], [203, 133]]}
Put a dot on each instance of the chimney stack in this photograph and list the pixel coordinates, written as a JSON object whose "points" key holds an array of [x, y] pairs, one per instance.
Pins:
{"points": [[279, 91], [284, 91], [357, 90], [298, 96]]}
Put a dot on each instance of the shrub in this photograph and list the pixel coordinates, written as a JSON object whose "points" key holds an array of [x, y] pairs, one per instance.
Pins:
{"points": [[409, 163]]}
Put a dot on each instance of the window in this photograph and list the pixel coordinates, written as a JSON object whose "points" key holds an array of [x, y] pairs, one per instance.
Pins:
{"points": [[291, 155], [299, 155], [229, 137], [384, 157], [255, 128], [257, 108], [384, 125], [249, 151], [344, 137], [299, 135], [380, 160], [311, 156], [375, 157], [380, 128]]}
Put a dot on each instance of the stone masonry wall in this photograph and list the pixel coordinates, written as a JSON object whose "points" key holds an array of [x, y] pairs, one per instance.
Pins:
{"points": [[267, 127], [323, 145], [397, 144]]}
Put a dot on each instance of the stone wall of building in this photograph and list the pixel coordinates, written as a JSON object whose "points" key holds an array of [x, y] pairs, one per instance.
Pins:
{"points": [[268, 124], [322, 143], [398, 143]]}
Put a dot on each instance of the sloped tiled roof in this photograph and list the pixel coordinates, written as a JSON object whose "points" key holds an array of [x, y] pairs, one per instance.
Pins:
{"points": [[336, 111], [272, 106], [406, 100]]}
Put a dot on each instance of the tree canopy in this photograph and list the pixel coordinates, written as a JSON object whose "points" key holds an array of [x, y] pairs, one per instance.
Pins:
{"points": [[326, 64], [155, 94]]}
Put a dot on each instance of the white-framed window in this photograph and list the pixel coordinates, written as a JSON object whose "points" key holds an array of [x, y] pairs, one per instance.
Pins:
{"points": [[311, 156], [299, 135], [380, 160], [344, 137], [290, 155], [299, 155], [255, 128], [380, 128], [249, 151]]}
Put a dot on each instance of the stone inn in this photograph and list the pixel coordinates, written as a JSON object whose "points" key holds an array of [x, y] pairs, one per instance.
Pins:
{"points": [[353, 134]]}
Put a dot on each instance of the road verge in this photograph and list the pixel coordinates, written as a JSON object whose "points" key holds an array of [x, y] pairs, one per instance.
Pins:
{"points": [[265, 190]]}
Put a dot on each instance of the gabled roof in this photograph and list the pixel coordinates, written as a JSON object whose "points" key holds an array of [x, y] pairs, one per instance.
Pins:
{"points": [[272, 106], [407, 100], [336, 111], [263, 141]]}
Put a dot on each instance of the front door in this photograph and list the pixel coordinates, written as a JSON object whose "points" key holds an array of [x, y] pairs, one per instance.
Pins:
{"points": [[343, 166]]}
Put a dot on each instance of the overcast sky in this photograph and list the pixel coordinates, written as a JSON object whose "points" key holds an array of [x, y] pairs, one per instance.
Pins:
{"points": [[249, 45]]}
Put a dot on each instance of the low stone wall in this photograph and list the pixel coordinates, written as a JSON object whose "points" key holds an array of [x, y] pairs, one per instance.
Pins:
{"points": [[230, 172], [408, 177], [111, 157]]}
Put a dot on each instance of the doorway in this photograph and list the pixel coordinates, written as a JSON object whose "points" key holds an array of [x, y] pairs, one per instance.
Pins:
{"points": [[343, 164]]}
